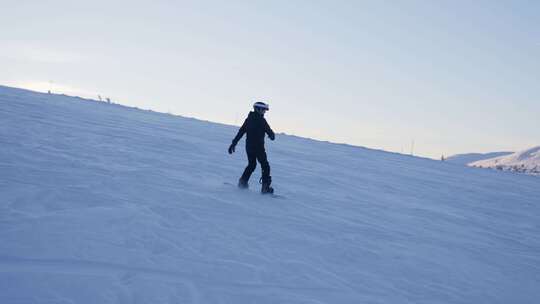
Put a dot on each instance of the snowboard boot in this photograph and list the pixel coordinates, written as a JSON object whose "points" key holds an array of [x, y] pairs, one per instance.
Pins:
{"points": [[265, 188], [243, 184]]}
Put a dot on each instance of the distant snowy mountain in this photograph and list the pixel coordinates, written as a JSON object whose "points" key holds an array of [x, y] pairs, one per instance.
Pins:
{"points": [[465, 159], [527, 161], [101, 203]]}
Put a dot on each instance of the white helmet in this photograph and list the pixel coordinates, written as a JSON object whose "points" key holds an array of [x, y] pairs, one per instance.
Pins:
{"points": [[260, 107]]}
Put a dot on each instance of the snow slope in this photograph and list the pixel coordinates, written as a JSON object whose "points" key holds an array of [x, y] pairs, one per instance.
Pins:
{"points": [[102, 203], [467, 158], [527, 161]]}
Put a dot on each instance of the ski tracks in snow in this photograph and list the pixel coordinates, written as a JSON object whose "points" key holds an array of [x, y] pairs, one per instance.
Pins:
{"points": [[127, 275]]}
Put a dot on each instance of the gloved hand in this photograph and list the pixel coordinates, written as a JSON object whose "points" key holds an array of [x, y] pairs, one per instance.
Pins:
{"points": [[272, 136], [231, 148]]}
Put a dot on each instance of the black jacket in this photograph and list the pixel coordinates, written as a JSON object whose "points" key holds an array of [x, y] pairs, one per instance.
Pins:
{"points": [[256, 127]]}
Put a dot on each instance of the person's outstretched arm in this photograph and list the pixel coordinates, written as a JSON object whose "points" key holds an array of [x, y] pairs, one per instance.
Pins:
{"points": [[269, 131], [238, 136]]}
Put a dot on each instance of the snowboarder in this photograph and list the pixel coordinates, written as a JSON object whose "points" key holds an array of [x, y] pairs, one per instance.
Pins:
{"points": [[256, 127]]}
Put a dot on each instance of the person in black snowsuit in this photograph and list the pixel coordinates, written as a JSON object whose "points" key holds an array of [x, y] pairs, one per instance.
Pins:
{"points": [[256, 127]]}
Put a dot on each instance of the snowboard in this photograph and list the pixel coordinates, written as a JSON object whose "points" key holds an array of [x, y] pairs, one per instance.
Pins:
{"points": [[272, 195]]}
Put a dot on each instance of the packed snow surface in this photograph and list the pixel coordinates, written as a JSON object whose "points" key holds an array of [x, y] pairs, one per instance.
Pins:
{"points": [[527, 161], [107, 204]]}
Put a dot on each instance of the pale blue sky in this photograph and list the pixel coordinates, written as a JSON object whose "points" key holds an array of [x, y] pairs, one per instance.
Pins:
{"points": [[455, 76]]}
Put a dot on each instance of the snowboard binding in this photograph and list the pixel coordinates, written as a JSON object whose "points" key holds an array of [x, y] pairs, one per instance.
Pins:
{"points": [[266, 188], [243, 184]]}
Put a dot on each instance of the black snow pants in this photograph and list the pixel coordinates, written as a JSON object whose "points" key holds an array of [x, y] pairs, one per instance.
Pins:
{"points": [[254, 155]]}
